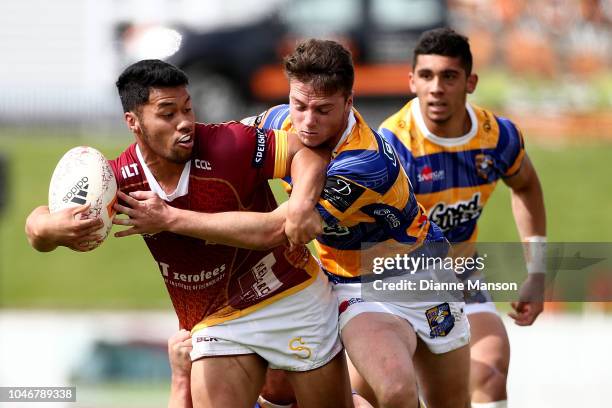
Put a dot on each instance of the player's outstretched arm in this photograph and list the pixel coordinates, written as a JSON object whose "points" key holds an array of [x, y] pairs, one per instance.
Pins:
{"points": [[149, 214], [46, 231], [179, 347], [530, 217], [308, 171], [307, 167]]}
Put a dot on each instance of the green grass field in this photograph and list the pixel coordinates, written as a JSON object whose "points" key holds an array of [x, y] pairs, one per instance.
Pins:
{"points": [[121, 273]]}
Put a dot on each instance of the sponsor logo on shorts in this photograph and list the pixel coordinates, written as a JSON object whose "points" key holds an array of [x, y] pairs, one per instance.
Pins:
{"points": [[78, 192], [259, 155], [301, 351], [341, 193], [440, 319], [206, 339], [346, 303]]}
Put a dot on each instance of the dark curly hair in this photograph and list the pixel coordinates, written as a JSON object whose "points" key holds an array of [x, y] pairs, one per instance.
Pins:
{"points": [[446, 42], [136, 80]]}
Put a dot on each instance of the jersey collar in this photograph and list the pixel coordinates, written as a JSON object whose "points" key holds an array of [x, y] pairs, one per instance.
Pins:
{"points": [[349, 128], [444, 141], [181, 189]]}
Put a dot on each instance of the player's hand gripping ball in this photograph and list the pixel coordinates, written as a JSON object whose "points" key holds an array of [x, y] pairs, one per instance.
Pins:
{"points": [[83, 175]]}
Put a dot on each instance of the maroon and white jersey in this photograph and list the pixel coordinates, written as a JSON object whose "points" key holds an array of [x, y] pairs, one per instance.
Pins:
{"points": [[210, 283]]}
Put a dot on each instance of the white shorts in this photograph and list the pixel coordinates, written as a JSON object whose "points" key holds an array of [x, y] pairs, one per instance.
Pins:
{"points": [[296, 333], [480, 300], [443, 327], [486, 307]]}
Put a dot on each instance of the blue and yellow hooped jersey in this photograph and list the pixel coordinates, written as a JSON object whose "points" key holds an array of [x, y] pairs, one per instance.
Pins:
{"points": [[454, 177], [367, 198]]}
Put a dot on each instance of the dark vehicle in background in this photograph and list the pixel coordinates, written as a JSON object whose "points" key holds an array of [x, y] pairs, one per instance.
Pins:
{"points": [[235, 70]]}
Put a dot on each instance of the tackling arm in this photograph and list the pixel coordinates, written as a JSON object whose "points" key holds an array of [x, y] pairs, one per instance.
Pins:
{"points": [[308, 173], [149, 214]]}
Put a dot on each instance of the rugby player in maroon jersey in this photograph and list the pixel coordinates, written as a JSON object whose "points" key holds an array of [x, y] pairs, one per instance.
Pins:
{"points": [[268, 306]]}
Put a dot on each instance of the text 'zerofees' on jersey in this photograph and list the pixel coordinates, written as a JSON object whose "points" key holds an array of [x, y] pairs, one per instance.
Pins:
{"points": [[228, 171], [367, 198], [454, 177]]}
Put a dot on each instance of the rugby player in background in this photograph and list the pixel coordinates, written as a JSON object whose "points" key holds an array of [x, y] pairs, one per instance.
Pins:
{"points": [[390, 343], [246, 309], [454, 154]]}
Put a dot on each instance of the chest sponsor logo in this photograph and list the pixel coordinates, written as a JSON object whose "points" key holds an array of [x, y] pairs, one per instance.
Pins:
{"points": [[202, 164], [261, 280], [261, 145], [449, 216], [427, 175], [129, 170], [341, 193], [201, 280]]}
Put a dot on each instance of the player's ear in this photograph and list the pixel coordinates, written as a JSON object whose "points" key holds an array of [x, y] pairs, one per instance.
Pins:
{"points": [[411, 82], [472, 81], [349, 102], [132, 121]]}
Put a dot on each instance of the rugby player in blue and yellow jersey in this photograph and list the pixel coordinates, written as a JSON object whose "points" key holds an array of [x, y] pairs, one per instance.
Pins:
{"points": [[368, 199], [455, 153]]}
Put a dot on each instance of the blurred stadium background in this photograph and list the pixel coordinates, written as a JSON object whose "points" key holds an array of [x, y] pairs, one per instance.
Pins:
{"points": [[100, 320]]}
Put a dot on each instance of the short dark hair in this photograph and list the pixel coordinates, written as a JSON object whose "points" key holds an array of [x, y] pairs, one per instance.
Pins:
{"points": [[326, 64], [446, 42], [136, 80]]}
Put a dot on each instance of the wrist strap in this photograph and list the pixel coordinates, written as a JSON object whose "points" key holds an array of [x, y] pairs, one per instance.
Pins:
{"points": [[535, 254]]}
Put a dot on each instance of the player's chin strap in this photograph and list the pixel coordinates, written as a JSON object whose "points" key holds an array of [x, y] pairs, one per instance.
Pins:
{"points": [[535, 254], [495, 404]]}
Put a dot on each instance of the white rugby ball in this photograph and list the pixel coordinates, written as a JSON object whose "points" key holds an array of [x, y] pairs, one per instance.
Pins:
{"points": [[83, 175]]}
